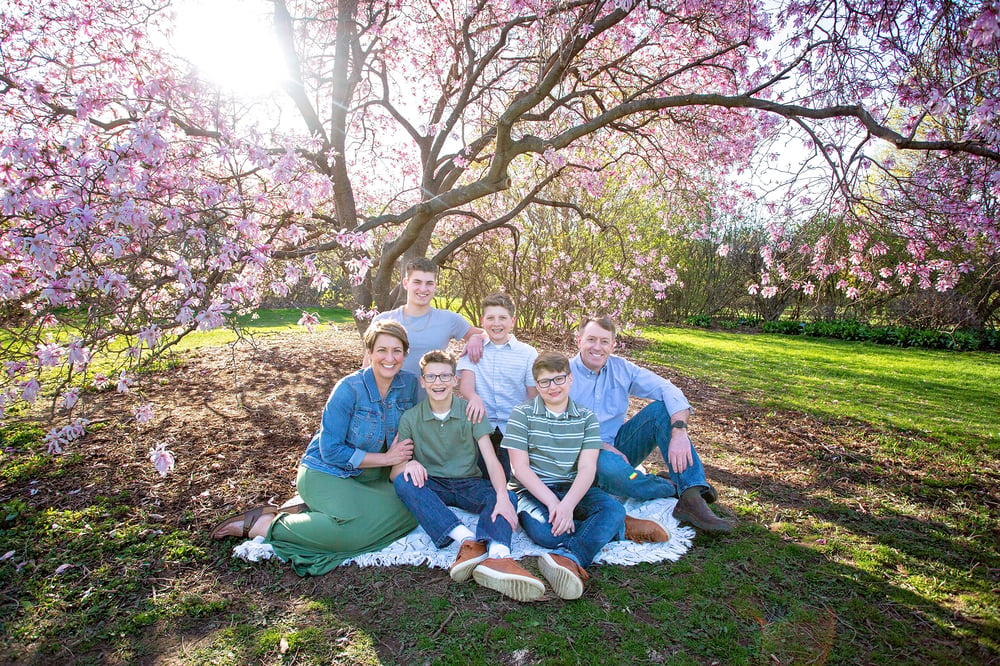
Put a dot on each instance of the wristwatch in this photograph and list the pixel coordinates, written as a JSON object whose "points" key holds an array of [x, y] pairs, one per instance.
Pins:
{"points": [[681, 425]]}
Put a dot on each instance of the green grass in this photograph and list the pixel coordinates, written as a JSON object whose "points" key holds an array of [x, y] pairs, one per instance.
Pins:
{"points": [[942, 395], [265, 323]]}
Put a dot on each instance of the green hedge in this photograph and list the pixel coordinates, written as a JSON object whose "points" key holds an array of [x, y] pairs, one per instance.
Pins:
{"points": [[850, 329], [899, 336]]}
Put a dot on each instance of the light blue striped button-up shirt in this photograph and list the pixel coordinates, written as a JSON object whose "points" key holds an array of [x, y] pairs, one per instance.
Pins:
{"points": [[502, 377]]}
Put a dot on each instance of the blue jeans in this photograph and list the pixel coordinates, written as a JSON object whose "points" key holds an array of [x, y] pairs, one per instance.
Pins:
{"points": [[599, 518], [430, 507], [646, 430]]}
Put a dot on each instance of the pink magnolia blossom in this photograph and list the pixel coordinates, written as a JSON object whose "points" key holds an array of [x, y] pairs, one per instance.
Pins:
{"points": [[124, 383], [162, 459], [69, 398], [143, 414], [309, 320]]}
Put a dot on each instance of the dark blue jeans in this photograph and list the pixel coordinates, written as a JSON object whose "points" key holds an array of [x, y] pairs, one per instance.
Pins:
{"points": [[599, 518], [637, 438], [496, 437], [429, 505]]}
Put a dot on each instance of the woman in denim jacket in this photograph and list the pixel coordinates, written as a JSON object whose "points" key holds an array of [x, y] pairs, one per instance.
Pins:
{"points": [[350, 506]]}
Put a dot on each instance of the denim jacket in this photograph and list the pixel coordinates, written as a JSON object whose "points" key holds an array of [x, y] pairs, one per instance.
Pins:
{"points": [[357, 420]]}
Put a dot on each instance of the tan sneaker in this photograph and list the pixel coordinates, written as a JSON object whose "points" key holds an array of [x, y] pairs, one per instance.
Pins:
{"points": [[564, 575], [641, 530], [509, 579], [469, 555]]}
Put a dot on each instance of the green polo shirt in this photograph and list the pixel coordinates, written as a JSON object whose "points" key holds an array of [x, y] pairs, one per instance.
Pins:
{"points": [[449, 448], [553, 442]]}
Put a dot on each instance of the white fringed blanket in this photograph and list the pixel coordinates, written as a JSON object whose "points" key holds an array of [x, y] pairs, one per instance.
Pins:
{"points": [[417, 548]]}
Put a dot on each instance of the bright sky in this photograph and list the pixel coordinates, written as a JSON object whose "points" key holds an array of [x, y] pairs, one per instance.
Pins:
{"points": [[231, 43]]}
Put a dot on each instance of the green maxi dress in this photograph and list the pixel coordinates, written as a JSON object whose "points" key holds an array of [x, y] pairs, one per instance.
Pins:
{"points": [[347, 517]]}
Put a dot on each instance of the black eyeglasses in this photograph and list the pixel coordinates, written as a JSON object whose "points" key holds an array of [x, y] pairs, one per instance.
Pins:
{"points": [[558, 380], [444, 377]]}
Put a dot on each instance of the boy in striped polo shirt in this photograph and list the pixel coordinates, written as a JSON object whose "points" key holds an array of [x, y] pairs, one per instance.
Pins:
{"points": [[553, 445]]}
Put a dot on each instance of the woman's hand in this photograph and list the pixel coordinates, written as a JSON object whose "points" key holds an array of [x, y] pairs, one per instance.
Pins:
{"points": [[399, 451]]}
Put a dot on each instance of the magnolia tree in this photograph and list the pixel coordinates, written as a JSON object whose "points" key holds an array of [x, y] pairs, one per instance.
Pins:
{"points": [[140, 204]]}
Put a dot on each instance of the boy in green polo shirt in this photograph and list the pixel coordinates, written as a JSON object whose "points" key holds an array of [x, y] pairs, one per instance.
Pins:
{"points": [[445, 471]]}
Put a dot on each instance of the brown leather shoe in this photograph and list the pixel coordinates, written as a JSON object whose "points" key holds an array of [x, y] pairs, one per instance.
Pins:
{"points": [[641, 530], [509, 579], [564, 575], [691, 508], [469, 555]]}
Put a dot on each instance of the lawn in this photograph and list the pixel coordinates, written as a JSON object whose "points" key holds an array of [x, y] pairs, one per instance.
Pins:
{"points": [[263, 324], [945, 396], [866, 524]]}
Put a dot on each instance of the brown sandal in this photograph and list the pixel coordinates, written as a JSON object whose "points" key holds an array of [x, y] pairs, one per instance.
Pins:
{"points": [[249, 519]]}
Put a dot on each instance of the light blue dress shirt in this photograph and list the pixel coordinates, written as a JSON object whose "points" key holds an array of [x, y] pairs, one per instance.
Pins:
{"points": [[606, 393], [502, 377]]}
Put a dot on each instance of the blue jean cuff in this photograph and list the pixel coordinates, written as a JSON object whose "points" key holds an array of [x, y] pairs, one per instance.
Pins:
{"points": [[444, 541], [567, 554]]}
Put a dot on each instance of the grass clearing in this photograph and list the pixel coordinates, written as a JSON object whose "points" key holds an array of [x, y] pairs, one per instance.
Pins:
{"points": [[941, 395], [264, 323]]}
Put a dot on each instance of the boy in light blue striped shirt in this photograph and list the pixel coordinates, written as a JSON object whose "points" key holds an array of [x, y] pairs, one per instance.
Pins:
{"points": [[502, 378]]}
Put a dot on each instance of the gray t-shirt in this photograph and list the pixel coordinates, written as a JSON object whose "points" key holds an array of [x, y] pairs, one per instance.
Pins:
{"points": [[433, 330]]}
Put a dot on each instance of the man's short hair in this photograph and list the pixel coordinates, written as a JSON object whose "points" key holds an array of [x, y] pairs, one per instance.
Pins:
{"points": [[551, 361], [387, 327], [499, 300], [422, 264], [603, 322], [437, 356]]}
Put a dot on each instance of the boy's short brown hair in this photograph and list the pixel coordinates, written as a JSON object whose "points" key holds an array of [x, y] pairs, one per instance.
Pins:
{"points": [[437, 356], [387, 327], [422, 264], [551, 361], [499, 300]]}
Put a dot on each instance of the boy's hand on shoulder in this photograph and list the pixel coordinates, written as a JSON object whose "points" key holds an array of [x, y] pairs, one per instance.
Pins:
{"points": [[415, 473], [474, 348], [561, 519], [476, 410], [506, 509]]}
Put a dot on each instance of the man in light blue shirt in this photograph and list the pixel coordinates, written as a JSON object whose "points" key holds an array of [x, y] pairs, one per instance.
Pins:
{"points": [[603, 383]]}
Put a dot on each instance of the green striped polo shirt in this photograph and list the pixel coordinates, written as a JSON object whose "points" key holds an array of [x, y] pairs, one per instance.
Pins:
{"points": [[553, 442]]}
